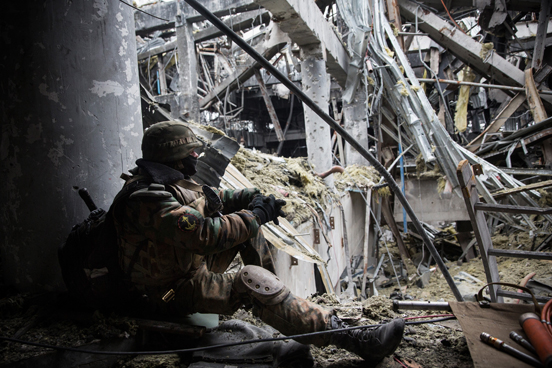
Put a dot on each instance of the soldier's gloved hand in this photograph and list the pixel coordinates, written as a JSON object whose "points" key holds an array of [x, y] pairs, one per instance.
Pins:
{"points": [[267, 208], [279, 212]]}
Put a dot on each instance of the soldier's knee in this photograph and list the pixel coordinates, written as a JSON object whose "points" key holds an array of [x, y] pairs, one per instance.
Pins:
{"points": [[260, 284]]}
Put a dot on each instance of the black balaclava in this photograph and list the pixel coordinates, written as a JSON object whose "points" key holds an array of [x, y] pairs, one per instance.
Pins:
{"points": [[189, 164]]}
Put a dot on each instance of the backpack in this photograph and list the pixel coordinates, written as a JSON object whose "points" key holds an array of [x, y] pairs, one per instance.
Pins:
{"points": [[89, 258]]}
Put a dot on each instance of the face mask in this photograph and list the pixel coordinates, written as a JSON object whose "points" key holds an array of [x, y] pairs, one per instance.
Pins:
{"points": [[189, 166]]}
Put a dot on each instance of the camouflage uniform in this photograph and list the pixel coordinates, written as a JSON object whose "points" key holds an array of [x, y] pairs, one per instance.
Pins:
{"points": [[170, 239], [181, 247]]}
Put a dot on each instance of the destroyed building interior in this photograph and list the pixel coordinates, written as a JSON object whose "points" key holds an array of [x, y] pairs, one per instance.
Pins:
{"points": [[410, 140]]}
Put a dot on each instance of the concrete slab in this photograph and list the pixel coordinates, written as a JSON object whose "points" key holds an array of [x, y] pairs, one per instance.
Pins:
{"points": [[305, 24]]}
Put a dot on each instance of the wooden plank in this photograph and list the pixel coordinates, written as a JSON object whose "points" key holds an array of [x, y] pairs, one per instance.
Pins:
{"points": [[466, 180], [498, 121], [533, 97], [388, 216], [487, 207], [269, 106], [520, 254], [505, 192]]}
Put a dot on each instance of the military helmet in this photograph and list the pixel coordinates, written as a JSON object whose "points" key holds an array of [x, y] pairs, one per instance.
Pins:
{"points": [[168, 141]]}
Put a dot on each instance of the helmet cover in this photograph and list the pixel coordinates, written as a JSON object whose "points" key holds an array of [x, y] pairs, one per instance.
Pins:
{"points": [[168, 141]]}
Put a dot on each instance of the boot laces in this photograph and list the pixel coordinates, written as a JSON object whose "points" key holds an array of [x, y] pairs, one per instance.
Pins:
{"points": [[370, 336]]}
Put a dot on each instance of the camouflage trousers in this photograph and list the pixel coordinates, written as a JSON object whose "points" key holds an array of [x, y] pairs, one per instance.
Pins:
{"points": [[213, 292]]}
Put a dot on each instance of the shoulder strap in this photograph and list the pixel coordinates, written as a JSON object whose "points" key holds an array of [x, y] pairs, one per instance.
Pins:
{"points": [[188, 184]]}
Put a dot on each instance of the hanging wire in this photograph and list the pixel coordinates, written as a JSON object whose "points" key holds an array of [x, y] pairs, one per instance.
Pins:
{"points": [[140, 10], [451, 18], [203, 348]]}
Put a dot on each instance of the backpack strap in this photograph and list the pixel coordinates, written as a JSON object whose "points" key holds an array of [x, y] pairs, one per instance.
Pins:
{"points": [[132, 185]]}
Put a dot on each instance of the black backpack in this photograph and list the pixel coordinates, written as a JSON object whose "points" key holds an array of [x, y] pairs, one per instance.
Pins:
{"points": [[89, 258]]}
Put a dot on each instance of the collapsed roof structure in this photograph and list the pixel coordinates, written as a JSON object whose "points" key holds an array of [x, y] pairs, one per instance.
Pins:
{"points": [[427, 90], [431, 82]]}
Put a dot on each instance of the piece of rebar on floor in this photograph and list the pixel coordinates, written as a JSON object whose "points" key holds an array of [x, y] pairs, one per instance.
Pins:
{"points": [[417, 305], [500, 345], [522, 341], [334, 125], [544, 243]]}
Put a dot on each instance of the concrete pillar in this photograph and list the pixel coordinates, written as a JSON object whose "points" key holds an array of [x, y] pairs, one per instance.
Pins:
{"points": [[316, 85], [71, 118], [356, 124], [187, 65]]}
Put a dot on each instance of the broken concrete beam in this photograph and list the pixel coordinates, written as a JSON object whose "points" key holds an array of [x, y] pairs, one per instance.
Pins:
{"points": [[468, 50], [159, 16], [167, 11], [462, 46], [305, 24], [240, 21], [275, 41], [517, 5]]}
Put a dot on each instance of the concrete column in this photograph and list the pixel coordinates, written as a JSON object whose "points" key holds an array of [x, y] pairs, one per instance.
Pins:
{"points": [[316, 85], [71, 118], [356, 124], [187, 65]]}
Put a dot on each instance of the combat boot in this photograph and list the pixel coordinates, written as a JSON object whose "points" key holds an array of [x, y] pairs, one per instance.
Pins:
{"points": [[370, 344]]}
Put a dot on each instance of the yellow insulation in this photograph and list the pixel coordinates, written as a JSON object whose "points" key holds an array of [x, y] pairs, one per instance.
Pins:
{"points": [[461, 116], [485, 49]]}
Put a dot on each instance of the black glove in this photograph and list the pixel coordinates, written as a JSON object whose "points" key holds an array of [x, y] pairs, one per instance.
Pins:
{"points": [[267, 208]]}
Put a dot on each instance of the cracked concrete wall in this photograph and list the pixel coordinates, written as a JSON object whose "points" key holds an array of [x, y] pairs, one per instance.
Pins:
{"points": [[316, 85], [71, 118]]}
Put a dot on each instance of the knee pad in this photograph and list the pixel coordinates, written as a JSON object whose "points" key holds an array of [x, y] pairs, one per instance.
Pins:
{"points": [[260, 284]]}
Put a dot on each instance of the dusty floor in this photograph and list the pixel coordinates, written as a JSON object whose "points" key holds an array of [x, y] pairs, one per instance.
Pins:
{"points": [[430, 345], [427, 345]]}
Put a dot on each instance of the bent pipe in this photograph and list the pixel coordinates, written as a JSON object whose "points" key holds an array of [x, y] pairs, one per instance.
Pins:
{"points": [[335, 126], [334, 169]]}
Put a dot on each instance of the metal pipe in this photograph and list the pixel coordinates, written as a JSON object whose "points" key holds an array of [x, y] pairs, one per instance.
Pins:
{"points": [[520, 340], [500, 345], [485, 85], [335, 126], [407, 305]]}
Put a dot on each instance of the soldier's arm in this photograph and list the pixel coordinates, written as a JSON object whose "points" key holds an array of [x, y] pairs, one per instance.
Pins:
{"points": [[166, 220], [235, 200]]}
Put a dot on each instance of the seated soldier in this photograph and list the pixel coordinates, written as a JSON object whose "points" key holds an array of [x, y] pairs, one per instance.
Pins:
{"points": [[175, 245]]}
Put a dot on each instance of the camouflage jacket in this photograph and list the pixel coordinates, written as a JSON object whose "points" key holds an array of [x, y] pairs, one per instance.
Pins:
{"points": [[166, 232]]}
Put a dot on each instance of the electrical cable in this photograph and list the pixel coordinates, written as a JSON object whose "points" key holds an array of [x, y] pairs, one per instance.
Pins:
{"points": [[140, 10], [451, 18], [191, 350]]}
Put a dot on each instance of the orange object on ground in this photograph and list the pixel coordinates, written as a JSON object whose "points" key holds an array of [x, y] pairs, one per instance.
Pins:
{"points": [[538, 336]]}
